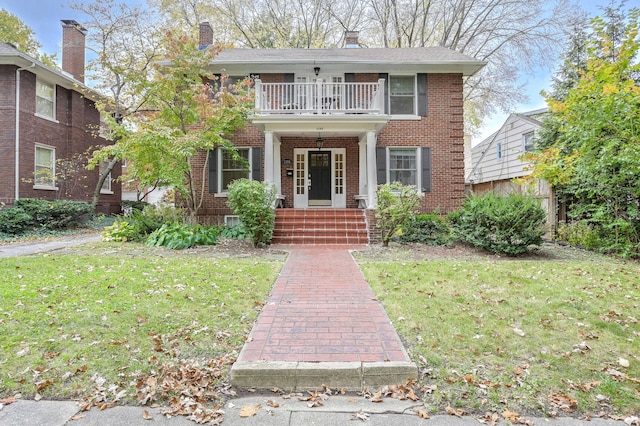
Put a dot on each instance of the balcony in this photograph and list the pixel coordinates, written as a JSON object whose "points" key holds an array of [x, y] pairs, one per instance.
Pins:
{"points": [[319, 98]]}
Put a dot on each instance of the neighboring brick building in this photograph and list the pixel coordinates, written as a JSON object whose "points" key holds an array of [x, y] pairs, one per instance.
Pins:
{"points": [[331, 124], [48, 119]]}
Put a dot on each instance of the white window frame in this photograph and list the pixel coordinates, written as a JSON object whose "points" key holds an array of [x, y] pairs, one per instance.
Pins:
{"points": [[418, 172], [106, 186], [39, 83], [231, 220], [415, 95], [221, 189], [499, 151], [524, 141], [52, 167]]}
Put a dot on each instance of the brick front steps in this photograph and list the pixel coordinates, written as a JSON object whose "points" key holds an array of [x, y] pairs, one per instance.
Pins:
{"points": [[320, 226]]}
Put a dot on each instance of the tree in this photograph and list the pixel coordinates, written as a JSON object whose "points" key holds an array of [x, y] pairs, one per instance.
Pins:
{"points": [[188, 112], [126, 43], [595, 158], [16, 32]]}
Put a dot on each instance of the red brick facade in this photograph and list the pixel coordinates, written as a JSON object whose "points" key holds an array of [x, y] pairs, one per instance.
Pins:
{"points": [[441, 130], [71, 134]]}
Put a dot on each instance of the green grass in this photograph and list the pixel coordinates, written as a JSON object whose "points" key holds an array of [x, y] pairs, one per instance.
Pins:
{"points": [[465, 319], [98, 320]]}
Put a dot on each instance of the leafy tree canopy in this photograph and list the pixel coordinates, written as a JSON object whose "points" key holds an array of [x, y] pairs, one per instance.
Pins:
{"points": [[16, 32]]}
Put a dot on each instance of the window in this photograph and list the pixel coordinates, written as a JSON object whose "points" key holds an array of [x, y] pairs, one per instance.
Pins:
{"points": [[45, 167], [499, 151], [403, 166], [402, 94], [45, 99], [528, 142], [234, 167], [231, 220], [106, 186]]}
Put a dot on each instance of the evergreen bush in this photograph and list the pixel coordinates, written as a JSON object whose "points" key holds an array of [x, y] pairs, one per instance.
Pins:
{"points": [[254, 202]]}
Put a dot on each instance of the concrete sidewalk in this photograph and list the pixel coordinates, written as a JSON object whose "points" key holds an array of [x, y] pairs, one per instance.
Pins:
{"points": [[336, 410], [25, 249]]}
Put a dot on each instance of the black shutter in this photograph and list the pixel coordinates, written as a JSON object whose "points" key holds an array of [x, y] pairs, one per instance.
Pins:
{"points": [[385, 76], [426, 169], [349, 77], [381, 164], [349, 100], [256, 164], [422, 94], [213, 171], [289, 78]]}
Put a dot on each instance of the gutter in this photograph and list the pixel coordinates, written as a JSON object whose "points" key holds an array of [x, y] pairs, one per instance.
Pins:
{"points": [[17, 146]]}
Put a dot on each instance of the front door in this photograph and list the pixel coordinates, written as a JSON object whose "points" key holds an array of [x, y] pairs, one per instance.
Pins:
{"points": [[319, 178]]}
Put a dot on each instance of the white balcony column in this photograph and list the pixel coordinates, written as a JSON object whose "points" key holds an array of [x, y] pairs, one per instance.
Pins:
{"points": [[362, 175], [277, 161], [372, 177], [268, 157]]}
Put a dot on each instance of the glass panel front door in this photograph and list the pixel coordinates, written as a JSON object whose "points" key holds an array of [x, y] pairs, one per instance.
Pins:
{"points": [[319, 178]]}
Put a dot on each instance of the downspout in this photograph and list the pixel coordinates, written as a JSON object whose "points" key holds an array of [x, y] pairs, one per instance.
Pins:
{"points": [[17, 146]]}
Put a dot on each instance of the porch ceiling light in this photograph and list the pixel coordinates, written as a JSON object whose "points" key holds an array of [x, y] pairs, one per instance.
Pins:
{"points": [[316, 70], [319, 142]]}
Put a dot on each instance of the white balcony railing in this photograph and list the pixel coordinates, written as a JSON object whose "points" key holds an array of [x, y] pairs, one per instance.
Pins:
{"points": [[319, 98]]}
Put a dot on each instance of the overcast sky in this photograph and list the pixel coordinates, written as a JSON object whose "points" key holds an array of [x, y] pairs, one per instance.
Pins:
{"points": [[43, 16]]}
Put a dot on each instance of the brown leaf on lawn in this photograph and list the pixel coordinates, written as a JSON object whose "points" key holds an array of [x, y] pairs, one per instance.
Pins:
{"points": [[469, 378], [50, 355], [146, 415], [271, 403], [511, 416], [360, 415], [458, 412], [491, 419], [422, 413], [43, 384], [249, 410], [563, 402], [586, 387]]}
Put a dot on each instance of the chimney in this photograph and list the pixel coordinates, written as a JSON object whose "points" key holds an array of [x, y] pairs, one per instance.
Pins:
{"points": [[351, 39], [206, 35], [73, 35]]}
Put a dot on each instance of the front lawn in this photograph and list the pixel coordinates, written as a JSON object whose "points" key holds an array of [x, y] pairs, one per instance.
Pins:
{"points": [[552, 337], [116, 323]]}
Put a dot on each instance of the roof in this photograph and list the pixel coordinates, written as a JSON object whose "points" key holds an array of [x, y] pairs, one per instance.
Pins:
{"points": [[425, 59], [9, 55]]}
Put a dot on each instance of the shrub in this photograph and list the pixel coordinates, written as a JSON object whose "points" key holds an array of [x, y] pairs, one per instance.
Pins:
{"points": [[143, 222], [253, 202], [429, 229], [57, 214], [237, 232], [179, 236], [129, 206], [120, 231], [506, 225], [580, 234], [14, 221], [397, 203]]}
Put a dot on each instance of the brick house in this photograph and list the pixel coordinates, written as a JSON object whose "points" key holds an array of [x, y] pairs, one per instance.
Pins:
{"points": [[48, 119], [329, 125]]}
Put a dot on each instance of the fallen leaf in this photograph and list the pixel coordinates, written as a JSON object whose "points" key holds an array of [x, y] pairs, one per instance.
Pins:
{"points": [[78, 417], [623, 362], [458, 412], [491, 419], [350, 399], [632, 421], [249, 410], [518, 332], [360, 415], [512, 416], [146, 415], [23, 352], [422, 413], [8, 400], [271, 403]]}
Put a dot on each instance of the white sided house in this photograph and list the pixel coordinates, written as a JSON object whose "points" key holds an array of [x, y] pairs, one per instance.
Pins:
{"points": [[496, 161]]}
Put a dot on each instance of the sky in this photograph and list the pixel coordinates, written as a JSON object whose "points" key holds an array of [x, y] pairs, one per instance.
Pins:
{"points": [[44, 16]]}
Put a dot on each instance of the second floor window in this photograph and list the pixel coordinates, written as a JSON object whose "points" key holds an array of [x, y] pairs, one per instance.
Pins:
{"points": [[45, 99], [499, 151], [234, 168], [402, 94], [528, 142]]}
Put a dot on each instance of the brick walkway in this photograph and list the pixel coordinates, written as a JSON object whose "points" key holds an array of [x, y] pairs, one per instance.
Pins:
{"points": [[322, 310]]}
